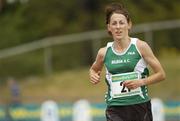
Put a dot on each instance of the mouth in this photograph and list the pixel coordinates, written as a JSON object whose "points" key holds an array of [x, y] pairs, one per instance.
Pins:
{"points": [[118, 33]]}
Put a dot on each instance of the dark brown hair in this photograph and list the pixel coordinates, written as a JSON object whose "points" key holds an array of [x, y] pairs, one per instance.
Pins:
{"points": [[116, 8]]}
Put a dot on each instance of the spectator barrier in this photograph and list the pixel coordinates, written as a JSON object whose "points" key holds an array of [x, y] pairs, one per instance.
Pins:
{"points": [[67, 111]]}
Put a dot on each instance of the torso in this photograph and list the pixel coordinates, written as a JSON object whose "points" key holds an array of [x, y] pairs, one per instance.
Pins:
{"points": [[131, 63]]}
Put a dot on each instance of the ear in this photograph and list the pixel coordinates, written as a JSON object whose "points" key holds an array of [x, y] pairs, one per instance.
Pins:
{"points": [[108, 27], [129, 25]]}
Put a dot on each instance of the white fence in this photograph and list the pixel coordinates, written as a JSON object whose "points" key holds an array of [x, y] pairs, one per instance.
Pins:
{"points": [[46, 43]]}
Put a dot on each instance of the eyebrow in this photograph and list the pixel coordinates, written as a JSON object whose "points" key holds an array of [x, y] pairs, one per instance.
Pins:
{"points": [[118, 20]]}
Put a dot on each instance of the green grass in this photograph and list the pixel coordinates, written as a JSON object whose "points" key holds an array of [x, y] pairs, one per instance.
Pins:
{"points": [[67, 86], [74, 84], [170, 88]]}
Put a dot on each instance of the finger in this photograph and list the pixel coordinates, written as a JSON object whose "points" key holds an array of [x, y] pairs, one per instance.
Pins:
{"points": [[129, 84], [126, 83], [95, 77], [94, 81], [99, 72]]}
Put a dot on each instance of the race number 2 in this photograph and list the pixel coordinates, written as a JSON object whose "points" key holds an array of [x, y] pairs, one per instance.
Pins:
{"points": [[124, 89], [117, 87]]}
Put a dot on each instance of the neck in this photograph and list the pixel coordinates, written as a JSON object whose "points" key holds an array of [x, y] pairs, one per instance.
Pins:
{"points": [[122, 44]]}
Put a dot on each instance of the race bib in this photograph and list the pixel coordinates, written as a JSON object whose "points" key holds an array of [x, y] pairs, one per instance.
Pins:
{"points": [[119, 90]]}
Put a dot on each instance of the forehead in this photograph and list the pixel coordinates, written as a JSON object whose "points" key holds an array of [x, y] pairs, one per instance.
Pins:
{"points": [[117, 17]]}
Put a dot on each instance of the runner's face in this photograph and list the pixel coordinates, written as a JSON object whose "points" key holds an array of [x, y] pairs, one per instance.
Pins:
{"points": [[118, 26]]}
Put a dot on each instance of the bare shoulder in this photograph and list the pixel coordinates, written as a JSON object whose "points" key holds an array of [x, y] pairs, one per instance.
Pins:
{"points": [[102, 51], [100, 55], [142, 44], [143, 47]]}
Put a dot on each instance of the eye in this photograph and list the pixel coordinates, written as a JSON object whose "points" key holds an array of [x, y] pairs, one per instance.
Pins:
{"points": [[121, 22], [114, 23]]}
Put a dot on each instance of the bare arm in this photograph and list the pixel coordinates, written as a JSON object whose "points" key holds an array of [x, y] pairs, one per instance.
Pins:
{"points": [[158, 72], [153, 62], [96, 68]]}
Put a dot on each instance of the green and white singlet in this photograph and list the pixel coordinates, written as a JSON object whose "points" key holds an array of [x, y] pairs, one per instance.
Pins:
{"points": [[128, 65]]}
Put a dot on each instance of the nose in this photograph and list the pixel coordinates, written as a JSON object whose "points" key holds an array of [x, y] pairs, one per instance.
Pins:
{"points": [[118, 26]]}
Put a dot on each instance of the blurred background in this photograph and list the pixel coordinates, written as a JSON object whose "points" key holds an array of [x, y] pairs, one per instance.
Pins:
{"points": [[47, 47]]}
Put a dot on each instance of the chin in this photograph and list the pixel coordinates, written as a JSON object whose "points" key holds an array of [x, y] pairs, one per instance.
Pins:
{"points": [[119, 37]]}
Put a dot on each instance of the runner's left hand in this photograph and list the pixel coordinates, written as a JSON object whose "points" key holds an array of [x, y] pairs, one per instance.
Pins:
{"points": [[133, 84]]}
